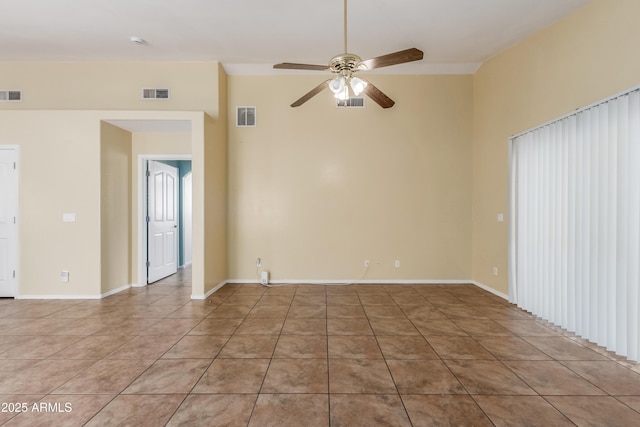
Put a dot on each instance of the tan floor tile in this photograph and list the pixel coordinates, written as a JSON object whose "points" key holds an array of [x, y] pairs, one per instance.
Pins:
{"points": [[345, 312], [310, 299], [595, 410], [424, 377], [268, 311], [301, 347], [145, 347], [308, 312], [197, 347], [377, 300], [170, 376], [488, 377], [228, 410], [43, 377], [305, 327], [337, 299], [429, 410], [552, 378], [384, 312], [527, 328], [92, 347], [192, 311], [561, 348], [11, 367], [482, 328], [354, 347], [511, 348], [632, 401], [297, 376], [227, 311], [61, 411], [43, 347], [367, 410], [521, 410], [395, 326], [210, 326], [360, 376], [233, 376], [454, 347], [609, 376], [430, 328], [18, 400], [423, 313], [291, 410], [105, 377], [249, 346], [171, 327], [406, 347], [137, 410], [275, 300], [349, 327], [253, 326]]}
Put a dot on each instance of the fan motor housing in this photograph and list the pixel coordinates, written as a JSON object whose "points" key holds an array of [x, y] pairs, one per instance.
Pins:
{"points": [[345, 63]]}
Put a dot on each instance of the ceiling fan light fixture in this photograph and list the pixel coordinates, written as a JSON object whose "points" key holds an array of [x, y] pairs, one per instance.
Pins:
{"points": [[337, 85], [343, 95], [357, 85]]}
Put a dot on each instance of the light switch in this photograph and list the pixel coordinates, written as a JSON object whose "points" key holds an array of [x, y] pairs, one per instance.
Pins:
{"points": [[69, 217], [500, 217]]}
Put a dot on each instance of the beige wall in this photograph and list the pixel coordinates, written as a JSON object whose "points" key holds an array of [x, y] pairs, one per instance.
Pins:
{"points": [[115, 207], [585, 57], [59, 172], [316, 190], [112, 85], [215, 163]]}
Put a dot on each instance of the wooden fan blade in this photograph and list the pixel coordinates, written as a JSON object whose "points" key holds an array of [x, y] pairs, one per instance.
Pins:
{"points": [[407, 55], [313, 92], [378, 96], [292, 66]]}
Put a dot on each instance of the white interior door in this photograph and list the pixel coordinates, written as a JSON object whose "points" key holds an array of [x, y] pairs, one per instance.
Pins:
{"points": [[8, 222], [162, 216]]}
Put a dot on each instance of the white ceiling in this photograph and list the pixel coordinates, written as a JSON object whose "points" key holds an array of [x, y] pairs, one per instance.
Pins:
{"points": [[249, 36]]}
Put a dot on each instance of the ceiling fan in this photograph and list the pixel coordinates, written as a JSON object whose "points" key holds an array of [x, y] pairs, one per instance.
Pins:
{"points": [[345, 66]]}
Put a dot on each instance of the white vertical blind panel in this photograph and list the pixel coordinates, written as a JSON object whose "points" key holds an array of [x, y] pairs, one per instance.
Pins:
{"points": [[574, 244]]}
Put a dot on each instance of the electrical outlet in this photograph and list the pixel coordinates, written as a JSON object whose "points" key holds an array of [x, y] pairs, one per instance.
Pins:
{"points": [[495, 271], [397, 264], [64, 277], [258, 262], [366, 263]]}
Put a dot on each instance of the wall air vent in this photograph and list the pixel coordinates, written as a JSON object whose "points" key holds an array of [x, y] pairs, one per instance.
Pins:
{"points": [[245, 116], [10, 95], [354, 102], [155, 93]]}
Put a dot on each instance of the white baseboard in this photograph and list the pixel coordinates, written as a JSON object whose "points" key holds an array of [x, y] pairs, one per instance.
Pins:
{"points": [[136, 285], [106, 294], [208, 294], [354, 282], [115, 291], [490, 289]]}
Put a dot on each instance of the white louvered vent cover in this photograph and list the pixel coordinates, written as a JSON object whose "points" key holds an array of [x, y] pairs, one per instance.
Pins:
{"points": [[10, 95], [245, 116], [355, 102], [155, 93]]}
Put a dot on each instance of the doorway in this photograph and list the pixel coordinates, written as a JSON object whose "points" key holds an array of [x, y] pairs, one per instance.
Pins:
{"points": [[162, 249]]}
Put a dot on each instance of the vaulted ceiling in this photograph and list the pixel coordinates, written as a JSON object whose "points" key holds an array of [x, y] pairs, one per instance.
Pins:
{"points": [[248, 36]]}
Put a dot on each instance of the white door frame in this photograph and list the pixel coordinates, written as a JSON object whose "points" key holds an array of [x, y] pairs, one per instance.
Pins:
{"points": [[16, 255], [187, 221], [142, 209]]}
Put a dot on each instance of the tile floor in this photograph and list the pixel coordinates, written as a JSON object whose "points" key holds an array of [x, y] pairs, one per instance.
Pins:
{"points": [[303, 355]]}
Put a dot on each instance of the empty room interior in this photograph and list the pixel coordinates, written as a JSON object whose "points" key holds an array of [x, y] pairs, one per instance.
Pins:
{"points": [[199, 225]]}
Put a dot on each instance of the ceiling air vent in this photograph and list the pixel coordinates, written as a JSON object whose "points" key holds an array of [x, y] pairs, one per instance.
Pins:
{"points": [[155, 93], [354, 102], [245, 116], [10, 95]]}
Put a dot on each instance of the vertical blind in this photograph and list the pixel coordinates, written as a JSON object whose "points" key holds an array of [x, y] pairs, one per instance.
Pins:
{"points": [[574, 240]]}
